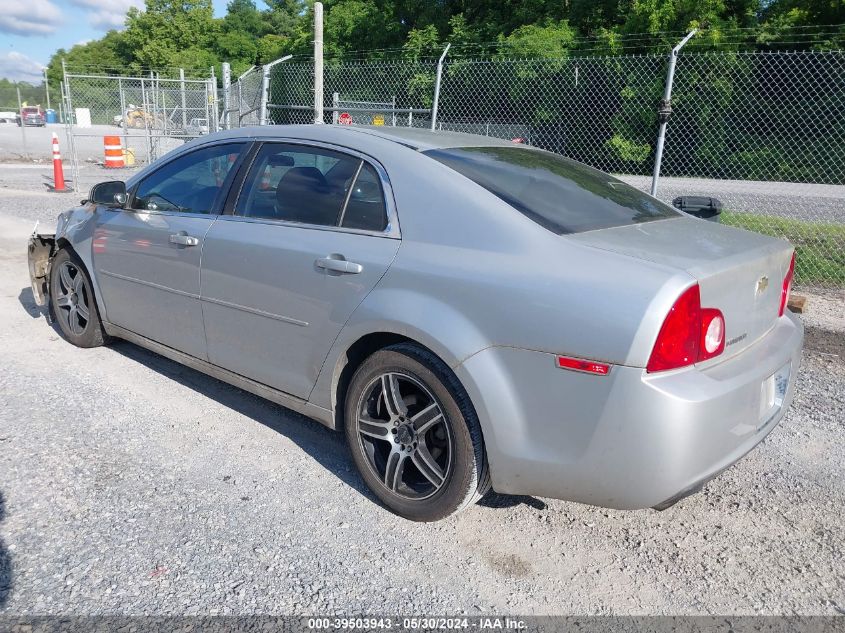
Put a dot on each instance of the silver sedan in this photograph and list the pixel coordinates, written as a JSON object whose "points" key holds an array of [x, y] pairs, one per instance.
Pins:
{"points": [[471, 313]]}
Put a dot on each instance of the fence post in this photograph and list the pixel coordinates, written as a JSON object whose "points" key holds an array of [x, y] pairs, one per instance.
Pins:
{"points": [[144, 107], [184, 102], [318, 62], [23, 123], [69, 128], [265, 88], [123, 111], [239, 82], [227, 89], [665, 109], [212, 102], [335, 106], [163, 102], [436, 102]]}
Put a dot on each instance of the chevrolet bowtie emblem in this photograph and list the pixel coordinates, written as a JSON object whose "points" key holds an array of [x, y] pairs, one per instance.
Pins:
{"points": [[762, 284]]}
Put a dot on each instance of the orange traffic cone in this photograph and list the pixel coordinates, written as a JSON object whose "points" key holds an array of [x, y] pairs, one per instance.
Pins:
{"points": [[58, 171], [265, 179]]}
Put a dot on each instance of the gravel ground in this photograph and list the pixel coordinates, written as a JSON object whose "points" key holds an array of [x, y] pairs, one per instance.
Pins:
{"points": [[132, 485]]}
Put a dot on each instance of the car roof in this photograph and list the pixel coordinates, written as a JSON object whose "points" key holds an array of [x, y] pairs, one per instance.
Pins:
{"points": [[423, 139], [416, 138]]}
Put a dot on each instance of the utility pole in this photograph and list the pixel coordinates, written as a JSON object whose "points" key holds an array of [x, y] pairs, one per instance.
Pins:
{"points": [[47, 88], [318, 62]]}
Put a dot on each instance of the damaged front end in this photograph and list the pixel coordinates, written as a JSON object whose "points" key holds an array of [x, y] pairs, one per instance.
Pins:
{"points": [[41, 248]]}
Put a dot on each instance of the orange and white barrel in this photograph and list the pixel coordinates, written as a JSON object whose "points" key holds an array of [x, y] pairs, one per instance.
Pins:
{"points": [[113, 151]]}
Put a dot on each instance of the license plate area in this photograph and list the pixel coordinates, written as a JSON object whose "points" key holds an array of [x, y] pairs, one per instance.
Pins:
{"points": [[772, 394]]}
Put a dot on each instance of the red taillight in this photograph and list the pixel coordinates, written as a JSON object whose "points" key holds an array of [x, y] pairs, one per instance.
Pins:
{"points": [[689, 334], [787, 286], [578, 364]]}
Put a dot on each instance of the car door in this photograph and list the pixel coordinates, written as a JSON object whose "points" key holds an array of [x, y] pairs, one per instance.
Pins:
{"points": [[147, 255], [311, 233]]}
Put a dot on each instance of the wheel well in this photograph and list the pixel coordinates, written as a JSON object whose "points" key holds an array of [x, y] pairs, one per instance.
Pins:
{"points": [[357, 353], [64, 243]]}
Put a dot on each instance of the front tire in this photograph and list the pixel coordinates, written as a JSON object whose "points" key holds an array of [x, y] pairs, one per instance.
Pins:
{"points": [[72, 301], [414, 435]]}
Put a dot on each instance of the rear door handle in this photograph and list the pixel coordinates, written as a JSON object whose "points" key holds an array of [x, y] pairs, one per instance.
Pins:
{"points": [[338, 265], [184, 239]]}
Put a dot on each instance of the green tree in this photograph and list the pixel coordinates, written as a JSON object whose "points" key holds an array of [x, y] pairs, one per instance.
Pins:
{"points": [[172, 33]]}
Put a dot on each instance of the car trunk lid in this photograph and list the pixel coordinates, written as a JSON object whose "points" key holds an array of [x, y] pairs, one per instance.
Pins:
{"points": [[739, 272]]}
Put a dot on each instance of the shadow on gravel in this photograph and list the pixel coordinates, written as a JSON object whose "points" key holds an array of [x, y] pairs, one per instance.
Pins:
{"points": [[327, 447], [5, 561], [27, 300], [495, 500]]}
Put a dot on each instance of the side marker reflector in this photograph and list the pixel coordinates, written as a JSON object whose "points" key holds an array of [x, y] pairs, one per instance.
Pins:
{"points": [[579, 364]]}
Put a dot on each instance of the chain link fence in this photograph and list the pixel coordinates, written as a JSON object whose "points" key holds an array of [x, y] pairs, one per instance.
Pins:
{"points": [[150, 115], [246, 93], [762, 132], [385, 92]]}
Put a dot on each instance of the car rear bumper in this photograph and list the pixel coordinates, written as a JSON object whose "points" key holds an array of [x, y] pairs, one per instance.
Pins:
{"points": [[629, 439]]}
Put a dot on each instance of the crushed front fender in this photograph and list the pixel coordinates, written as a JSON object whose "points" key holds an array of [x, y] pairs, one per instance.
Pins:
{"points": [[41, 248]]}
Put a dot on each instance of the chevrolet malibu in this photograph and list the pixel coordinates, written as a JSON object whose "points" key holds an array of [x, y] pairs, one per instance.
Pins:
{"points": [[470, 313]]}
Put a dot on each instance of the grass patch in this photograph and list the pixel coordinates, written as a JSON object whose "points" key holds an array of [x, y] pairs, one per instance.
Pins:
{"points": [[820, 248]]}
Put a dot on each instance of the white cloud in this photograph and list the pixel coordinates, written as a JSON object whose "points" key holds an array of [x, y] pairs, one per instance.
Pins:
{"points": [[29, 17], [18, 67], [107, 14]]}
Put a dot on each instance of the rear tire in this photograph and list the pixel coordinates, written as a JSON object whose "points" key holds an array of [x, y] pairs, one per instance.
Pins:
{"points": [[72, 301], [414, 435]]}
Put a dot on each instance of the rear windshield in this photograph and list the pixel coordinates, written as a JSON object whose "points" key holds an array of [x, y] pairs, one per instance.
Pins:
{"points": [[560, 194]]}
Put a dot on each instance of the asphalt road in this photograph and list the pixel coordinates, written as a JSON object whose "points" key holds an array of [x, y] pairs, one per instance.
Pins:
{"points": [[132, 485]]}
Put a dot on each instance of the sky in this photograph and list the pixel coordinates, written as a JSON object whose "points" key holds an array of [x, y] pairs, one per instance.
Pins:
{"points": [[32, 30]]}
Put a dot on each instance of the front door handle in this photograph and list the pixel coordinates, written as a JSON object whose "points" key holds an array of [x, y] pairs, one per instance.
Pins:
{"points": [[337, 264], [183, 239]]}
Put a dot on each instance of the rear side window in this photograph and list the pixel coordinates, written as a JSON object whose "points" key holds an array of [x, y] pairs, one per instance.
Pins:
{"points": [[312, 185], [365, 208], [559, 194], [297, 184]]}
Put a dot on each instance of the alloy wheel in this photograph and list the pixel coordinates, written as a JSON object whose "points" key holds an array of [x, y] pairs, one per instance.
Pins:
{"points": [[405, 436], [72, 300]]}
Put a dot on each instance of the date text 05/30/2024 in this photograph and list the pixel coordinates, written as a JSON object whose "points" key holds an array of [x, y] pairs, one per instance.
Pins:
{"points": [[420, 623]]}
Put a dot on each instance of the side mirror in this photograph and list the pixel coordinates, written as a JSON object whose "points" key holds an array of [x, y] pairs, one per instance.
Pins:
{"points": [[109, 194], [699, 206]]}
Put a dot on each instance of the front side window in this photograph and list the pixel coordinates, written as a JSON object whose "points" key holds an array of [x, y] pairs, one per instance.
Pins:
{"points": [[189, 184], [312, 185], [558, 193]]}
